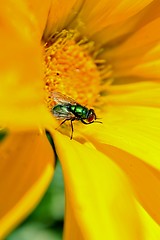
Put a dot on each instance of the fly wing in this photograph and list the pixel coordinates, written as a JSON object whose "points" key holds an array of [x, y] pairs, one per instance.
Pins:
{"points": [[62, 99], [61, 112]]}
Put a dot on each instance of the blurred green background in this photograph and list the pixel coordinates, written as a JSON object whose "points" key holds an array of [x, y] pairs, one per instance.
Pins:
{"points": [[46, 221]]}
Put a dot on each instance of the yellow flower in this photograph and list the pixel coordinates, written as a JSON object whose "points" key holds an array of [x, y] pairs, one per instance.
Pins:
{"points": [[105, 55]]}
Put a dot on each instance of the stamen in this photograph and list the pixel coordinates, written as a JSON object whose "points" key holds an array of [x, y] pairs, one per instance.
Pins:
{"points": [[73, 68]]}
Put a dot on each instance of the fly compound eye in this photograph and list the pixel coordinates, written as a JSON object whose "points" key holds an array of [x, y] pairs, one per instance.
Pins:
{"points": [[91, 116]]}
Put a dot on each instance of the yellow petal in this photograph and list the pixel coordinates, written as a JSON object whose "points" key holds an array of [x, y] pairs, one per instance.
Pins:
{"points": [[148, 95], [97, 15], [21, 87], [150, 228], [22, 118], [113, 33], [40, 11], [139, 54], [99, 202], [133, 129], [61, 14], [123, 87], [148, 65], [119, 32], [149, 69], [144, 179], [138, 41], [26, 169]]}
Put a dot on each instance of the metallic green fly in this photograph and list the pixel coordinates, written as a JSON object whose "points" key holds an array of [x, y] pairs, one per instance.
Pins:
{"points": [[68, 110]]}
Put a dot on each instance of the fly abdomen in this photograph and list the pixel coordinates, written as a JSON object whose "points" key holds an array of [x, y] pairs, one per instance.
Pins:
{"points": [[60, 111]]}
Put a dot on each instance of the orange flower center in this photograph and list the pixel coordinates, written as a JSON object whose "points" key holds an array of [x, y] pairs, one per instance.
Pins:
{"points": [[73, 68]]}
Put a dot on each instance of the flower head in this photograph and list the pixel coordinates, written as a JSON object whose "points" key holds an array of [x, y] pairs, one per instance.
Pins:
{"points": [[96, 55]]}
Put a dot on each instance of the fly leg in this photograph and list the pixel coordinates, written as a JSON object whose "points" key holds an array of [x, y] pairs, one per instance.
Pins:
{"points": [[90, 122], [72, 130], [62, 122], [86, 122]]}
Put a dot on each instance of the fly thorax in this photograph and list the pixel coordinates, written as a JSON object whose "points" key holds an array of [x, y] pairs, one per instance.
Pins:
{"points": [[76, 110], [80, 111], [84, 113]]}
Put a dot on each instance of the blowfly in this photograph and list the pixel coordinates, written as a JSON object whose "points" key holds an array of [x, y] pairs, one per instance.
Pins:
{"points": [[69, 110]]}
